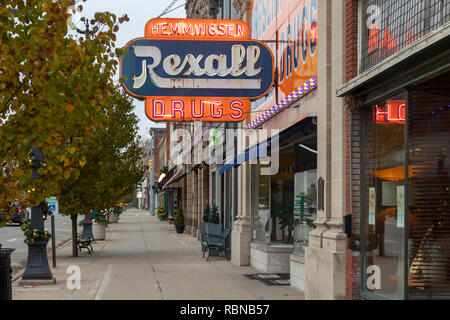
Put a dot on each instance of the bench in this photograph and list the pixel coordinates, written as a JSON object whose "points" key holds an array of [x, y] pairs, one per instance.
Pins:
{"points": [[85, 243], [209, 228], [216, 242]]}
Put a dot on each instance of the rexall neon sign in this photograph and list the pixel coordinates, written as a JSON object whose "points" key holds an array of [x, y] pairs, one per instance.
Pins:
{"points": [[205, 70]]}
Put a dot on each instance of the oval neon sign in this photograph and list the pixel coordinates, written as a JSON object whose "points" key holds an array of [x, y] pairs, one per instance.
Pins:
{"points": [[222, 70]]}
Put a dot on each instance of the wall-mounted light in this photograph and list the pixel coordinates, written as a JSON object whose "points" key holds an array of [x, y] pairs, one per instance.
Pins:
{"points": [[161, 177]]}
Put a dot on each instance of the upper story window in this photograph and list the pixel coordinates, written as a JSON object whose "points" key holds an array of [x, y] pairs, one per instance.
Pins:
{"points": [[387, 26]]}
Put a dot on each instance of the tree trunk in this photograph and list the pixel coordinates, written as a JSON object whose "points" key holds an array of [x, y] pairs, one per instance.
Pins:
{"points": [[74, 235]]}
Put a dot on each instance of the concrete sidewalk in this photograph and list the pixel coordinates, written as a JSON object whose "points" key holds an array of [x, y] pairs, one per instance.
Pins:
{"points": [[144, 258]]}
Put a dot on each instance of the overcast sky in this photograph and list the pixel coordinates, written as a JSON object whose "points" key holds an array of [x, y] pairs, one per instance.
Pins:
{"points": [[139, 12]]}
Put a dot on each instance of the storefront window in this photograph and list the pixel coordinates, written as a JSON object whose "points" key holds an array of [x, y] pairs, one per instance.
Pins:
{"points": [[282, 209], [273, 215], [282, 200], [429, 190], [305, 207], [384, 199], [261, 207], [388, 26]]}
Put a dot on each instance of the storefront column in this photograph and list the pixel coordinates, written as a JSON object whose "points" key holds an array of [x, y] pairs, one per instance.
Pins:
{"points": [[195, 199], [189, 202], [204, 191], [200, 201], [325, 256], [184, 195], [241, 234]]}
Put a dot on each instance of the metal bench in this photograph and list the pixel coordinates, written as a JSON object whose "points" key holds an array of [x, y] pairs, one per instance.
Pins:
{"points": [[211, 229], [216, 242], [85, 243]]}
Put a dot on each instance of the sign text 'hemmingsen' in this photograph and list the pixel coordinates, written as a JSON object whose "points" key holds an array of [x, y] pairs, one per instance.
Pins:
{"points": [[204, 70]]}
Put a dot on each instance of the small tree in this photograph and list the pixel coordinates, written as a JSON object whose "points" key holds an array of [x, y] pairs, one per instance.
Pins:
{"points": [[53, 87], [179, 218], [206, 213], [112, 166], [214, 215]]}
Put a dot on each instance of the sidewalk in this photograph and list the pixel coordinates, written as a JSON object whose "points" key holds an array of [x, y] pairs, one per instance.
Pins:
{"points": [[144, 258]]}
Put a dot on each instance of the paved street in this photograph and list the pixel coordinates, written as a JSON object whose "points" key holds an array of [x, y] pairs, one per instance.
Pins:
{"points": [[11, 236], [144, 258]]}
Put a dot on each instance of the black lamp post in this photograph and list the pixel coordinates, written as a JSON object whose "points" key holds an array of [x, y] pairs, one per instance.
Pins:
{"points": [[37, 267]]}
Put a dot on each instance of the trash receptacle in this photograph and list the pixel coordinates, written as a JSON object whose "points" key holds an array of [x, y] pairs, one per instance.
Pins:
{"points": [[5, 274]]}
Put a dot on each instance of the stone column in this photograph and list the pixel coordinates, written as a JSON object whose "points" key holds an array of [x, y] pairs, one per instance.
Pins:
{"points": [[204, 195], [241, 236], [200, 201], [189, 182], [184, 195], [195, 201], [325, 256]]}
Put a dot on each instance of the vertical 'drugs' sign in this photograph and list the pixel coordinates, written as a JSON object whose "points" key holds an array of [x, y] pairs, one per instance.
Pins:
{"points": [[197, 70]]}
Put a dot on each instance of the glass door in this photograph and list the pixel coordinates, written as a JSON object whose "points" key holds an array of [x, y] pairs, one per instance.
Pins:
{"points": [[383, 199]]}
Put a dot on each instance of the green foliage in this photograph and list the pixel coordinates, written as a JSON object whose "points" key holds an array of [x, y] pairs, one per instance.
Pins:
{"points": [[32, 235], [283, 210], [211, 214], [45, 209], [102, 219], [54, 92], [113, 165], [214, 215], [179, 217], [206, 213]]}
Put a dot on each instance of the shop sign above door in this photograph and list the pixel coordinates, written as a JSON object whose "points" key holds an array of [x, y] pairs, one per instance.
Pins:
{"points": [[197, 70]]}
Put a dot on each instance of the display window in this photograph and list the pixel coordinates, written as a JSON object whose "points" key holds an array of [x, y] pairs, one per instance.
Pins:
{"points": [[405, 194], [305, 207], [305, 191], [285, 204], [384, 191], [273, 215]]}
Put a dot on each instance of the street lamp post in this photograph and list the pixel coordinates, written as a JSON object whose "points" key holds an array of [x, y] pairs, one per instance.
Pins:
{"points": [[37, 268]]}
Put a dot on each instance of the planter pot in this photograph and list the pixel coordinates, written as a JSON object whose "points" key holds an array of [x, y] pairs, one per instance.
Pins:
{"points": [[113, 217], [301, 232], [161, 218], [87, 230], [37, 267], [99, 231], [179, 228]]}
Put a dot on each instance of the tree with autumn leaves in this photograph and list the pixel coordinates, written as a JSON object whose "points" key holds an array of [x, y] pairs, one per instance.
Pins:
{"points": [[56, 93], [113, 165]]}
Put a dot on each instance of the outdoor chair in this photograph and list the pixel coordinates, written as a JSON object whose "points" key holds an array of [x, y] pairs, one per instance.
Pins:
{"points": [[215, 242]]}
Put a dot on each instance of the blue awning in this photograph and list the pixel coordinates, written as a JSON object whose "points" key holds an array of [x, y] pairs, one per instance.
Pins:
{"points": [[260, 150]]}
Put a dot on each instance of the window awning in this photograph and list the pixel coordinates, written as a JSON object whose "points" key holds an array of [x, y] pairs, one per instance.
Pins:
{"points": [[179, 174], [171, 182], [260, 150]]}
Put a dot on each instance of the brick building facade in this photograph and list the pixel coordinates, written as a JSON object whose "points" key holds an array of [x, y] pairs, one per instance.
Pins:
{"points": [[386, 64]]}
